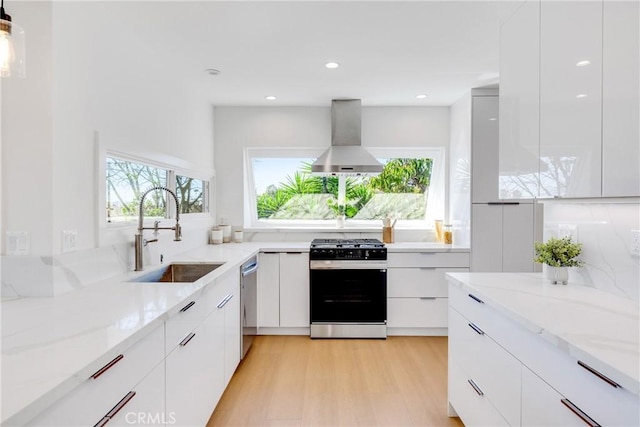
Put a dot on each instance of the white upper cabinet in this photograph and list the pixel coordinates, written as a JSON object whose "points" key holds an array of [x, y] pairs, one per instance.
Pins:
{"points": [[570, 98], [620, 109], [520, 103], [484, 149]]}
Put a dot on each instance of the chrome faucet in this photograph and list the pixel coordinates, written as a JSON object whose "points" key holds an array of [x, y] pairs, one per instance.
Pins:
{"points": [[140, 242]]}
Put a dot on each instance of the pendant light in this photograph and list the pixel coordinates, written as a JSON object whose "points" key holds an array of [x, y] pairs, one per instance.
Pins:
{"points": [[12, 60]]}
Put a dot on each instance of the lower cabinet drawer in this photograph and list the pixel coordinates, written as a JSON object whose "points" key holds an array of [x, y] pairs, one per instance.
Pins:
{"points": [[418, 281], [542, 405], [417, 312], [488, 363], [94, 398], [468, 400]]}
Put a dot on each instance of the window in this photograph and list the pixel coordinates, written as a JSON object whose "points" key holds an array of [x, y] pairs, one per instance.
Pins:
{"points": [[283, 192], [127, 181]]}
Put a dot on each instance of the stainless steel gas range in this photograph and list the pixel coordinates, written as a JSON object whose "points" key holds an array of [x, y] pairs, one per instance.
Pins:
{"points": [[348, 280]]}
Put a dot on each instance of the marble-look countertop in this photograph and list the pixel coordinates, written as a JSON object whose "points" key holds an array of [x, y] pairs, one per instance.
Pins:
{"points": [[50, 345], [598, 327]]}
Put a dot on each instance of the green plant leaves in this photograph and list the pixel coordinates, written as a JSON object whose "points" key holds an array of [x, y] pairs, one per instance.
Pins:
{"points": [[558, 252]]}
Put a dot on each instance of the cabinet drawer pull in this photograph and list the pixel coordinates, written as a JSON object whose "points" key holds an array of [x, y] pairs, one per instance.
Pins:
{"points": [[604, 378], [475, 328], [584, 417], [224, 301], [428, 298], [475, 387], [107, 366], [187, 339], [476, 299], [293, 253], [503, 203], [187, 307], [120, 405]]}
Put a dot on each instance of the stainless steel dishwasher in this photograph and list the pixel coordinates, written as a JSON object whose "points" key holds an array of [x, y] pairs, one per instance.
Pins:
{"points": [[249, 303]]}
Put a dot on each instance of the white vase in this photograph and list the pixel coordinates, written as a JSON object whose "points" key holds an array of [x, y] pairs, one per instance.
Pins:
{"points": [[557, 275]]}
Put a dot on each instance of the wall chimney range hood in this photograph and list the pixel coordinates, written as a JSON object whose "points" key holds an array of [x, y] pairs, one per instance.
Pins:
{"points": [[346, 155]]}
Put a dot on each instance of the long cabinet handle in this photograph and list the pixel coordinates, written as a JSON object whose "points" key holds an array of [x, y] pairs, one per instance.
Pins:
{"points": [[476, 299], [106, 367], [187, 307], [580, 413], [475, 387], [187, 339], [503, 203], [475, 328], [224, 301], [112, 413], [604, 378]]}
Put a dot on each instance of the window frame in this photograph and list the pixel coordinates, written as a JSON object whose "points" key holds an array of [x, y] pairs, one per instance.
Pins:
{"points": [[435, 197], [173, 166]]}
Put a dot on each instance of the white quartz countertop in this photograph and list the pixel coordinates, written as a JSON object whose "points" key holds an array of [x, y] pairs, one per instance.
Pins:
{"points": [[50, 345], [597, 327]]}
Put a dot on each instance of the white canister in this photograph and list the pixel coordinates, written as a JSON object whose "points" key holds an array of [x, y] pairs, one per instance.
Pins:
{"points": [[238, 236], [226, 233], [217, 236]]}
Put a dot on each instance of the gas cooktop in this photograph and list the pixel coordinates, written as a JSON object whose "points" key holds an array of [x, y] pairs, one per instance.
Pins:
{"points": [[347, 243]]}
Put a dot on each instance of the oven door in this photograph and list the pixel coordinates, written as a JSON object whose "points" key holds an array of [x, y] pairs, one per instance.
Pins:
{"points": [[348, 292]]}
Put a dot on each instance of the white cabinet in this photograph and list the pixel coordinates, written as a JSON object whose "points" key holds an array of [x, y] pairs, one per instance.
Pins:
{"points": [[294, 289], [484, 149], [283, 291], [269, 290], [502, 236], [202, 362], [519, 122], [195, 372], [620, 101], [527, 379], [417, 291], [542, 405], [92, 400], [570, 98]]}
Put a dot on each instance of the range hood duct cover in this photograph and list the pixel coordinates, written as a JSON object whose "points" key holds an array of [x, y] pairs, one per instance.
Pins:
{"points": [[346, 155]]}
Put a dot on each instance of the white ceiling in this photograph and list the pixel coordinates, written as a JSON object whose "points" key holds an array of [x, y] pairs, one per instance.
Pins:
{"points": [[389, 51]]}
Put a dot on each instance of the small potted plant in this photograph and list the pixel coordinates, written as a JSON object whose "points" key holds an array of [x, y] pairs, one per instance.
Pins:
{"points": [[558, 255]]}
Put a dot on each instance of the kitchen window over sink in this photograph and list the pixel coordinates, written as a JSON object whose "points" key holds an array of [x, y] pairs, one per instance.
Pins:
{"points": [[281, 191], [126, 180]]}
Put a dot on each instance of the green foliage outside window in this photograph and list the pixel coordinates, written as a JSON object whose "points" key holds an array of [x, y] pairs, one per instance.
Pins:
{"points": [[291, 199]]}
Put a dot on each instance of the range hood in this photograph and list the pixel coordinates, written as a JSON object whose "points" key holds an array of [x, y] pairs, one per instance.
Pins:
{"points": [[346, 155]]}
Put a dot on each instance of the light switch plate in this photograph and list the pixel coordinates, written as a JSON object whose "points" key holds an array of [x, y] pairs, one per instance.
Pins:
{"points": [[18, 242], [69, 238], [635, 242]]}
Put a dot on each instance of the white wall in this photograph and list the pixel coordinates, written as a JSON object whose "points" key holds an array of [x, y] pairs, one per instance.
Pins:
{"points": [[85, 73], [604, 229], [238, 128]]}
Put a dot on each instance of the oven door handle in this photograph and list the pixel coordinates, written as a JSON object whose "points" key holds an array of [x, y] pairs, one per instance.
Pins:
{"points": [[348, 265]]}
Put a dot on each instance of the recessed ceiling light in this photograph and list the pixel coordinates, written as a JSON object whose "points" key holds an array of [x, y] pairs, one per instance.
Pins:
{"points": [[332, 65], [421, 96], [270, 98], [581, 95], [212, 71], [583, 63], [493, 119]]}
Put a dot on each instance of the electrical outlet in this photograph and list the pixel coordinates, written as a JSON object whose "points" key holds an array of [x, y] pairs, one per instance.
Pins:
{"points": [[69, 238], [18, 242], [635, 242]]}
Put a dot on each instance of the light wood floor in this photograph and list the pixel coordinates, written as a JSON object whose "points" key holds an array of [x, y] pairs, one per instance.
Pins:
{"points": [[297, 381]]}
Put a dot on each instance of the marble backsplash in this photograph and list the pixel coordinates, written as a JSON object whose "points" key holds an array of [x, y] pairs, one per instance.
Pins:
{"points": [[605, 231]]}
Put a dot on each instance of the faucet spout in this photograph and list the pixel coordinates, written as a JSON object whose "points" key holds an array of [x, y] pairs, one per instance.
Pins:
{"points": [[138, 237]]}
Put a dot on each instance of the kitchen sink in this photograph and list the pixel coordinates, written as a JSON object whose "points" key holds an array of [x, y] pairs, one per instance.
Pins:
{"points": [[179, 272]]}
